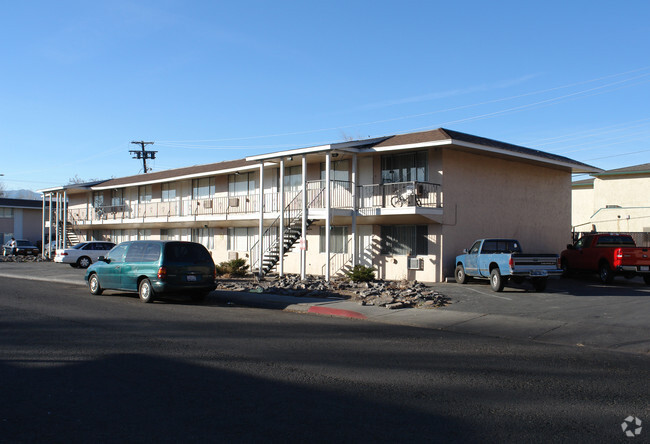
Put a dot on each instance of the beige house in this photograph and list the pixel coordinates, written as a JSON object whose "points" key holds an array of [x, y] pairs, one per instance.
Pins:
{"points": [[405, 204], [615, 200], [20, 219]]}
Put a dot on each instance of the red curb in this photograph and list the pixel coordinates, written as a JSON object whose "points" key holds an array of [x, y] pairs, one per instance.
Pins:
{"points": [[336, 312]]}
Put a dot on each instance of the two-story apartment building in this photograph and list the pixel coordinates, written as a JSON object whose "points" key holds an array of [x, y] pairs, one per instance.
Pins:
{"points": [[615, 200], [403, 204], [21, 219]]}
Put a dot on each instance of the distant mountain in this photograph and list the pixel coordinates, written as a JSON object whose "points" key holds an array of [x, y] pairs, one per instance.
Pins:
{"points": [[22, 194]]}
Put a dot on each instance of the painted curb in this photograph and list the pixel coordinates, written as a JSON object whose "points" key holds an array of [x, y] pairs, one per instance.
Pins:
{"points": [[336, 312]]}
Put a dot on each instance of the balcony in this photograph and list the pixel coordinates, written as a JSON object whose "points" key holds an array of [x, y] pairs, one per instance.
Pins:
{"points": [[398, 197]]}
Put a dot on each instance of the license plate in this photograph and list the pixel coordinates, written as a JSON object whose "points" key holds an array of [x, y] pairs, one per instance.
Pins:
{"points": [[538, 273], [644, 268], [191, 278]]}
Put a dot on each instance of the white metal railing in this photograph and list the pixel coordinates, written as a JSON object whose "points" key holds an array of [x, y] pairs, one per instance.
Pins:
{"points": [[387, 195]]}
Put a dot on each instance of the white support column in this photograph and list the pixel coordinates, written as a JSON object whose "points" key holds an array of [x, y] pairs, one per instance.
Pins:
{"points": [[49, 231], [43, 227], [355, 240], [328, 213], [303, 228], [282, 221], [65, 219], [260, 244], [58, 212]]}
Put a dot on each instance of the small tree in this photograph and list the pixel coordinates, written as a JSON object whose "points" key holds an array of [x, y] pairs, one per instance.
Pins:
{"points": [[361, 273]]}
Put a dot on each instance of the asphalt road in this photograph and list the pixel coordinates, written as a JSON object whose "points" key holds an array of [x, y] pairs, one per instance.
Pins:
{"points": [[77, 368]]}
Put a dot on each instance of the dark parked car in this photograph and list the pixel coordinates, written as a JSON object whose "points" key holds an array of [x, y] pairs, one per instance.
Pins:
{"points": [[154, 268], [23, 247]]}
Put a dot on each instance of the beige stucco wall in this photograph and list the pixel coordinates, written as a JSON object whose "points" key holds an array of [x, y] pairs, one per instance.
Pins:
{"points": [[582, 207], [491, 197]]}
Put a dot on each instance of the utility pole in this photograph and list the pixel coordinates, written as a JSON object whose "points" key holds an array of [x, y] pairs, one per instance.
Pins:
{"points": [[144, 155]]}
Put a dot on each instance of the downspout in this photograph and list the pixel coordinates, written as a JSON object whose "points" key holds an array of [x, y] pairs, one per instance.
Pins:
{"points": [[281, 228], [260, 246], [328, 214], [303, 228], [355, 240]]}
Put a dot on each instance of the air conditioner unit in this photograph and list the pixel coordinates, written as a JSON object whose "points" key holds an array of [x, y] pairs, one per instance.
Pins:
{"points": [[232, 255], [233, 202], [207, 204], [415, 263]]}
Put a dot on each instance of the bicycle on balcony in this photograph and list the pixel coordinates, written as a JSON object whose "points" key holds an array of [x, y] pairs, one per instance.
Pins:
{"points": [[405, 197]]}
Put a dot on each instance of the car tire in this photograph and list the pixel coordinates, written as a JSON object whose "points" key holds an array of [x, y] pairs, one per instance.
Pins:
{"points": [[539, 284], [74, 265], [461, 277], [145, 290], [94, 285], [84, 262], [605, 273], [496, 280]]}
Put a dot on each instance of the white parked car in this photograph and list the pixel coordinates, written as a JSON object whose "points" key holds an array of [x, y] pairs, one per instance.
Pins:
{"points": [[83, 254]]}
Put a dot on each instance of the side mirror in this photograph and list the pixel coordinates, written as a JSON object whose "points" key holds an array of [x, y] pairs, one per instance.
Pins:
{"points": [[465, 250], [103, 259], [570, 247]]}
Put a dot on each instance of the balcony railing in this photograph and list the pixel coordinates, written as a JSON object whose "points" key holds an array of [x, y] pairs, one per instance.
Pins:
{"points": [[388, 195]]}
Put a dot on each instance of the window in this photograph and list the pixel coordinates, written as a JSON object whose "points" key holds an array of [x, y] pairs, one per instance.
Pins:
{"points": [[495, 246], [203, 188], [404, 240], [241, 238], [475, 247], [339, 170], [98, 199], [293, 178], [117, 254], [144, 193], [241, 184], [6, 213], [168, 192], [338, 240], [144, 234], [169, 234], [204, 236], [117, 197], [143, 252], [404, 167]]}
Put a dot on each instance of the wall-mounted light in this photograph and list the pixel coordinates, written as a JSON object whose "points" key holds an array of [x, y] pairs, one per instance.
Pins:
{"points": [[290, 158], [335, 154]]}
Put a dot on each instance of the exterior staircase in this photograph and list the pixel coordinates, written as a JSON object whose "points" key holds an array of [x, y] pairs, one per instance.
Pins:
{"points": [[271, 238]]}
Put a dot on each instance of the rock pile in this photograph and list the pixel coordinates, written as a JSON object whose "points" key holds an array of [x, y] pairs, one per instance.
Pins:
{"points": [[22, 258], [387, 294]]}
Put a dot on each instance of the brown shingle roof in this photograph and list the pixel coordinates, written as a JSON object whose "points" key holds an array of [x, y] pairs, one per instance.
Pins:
{"points": [[178, 172], [644, 168]]}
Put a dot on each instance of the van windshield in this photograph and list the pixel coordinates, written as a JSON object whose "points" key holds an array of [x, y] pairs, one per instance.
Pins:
{"points": [[186, 252]]}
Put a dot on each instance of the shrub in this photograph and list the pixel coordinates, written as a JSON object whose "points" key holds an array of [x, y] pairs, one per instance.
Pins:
{"points": [[235, 267], [361, 273]]}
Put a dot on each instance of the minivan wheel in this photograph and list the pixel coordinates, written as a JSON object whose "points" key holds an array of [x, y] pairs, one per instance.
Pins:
{"points": [[145, 290], [94, 286]]}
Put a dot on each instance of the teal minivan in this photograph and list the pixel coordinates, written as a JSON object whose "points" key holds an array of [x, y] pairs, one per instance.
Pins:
{"points": [[155, 268]]}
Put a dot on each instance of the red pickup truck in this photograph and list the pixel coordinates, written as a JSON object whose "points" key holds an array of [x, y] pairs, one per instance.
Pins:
{"points": [[608, 255]]}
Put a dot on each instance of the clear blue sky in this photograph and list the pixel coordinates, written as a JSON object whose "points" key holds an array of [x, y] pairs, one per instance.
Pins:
{"points": [[218, 80]]}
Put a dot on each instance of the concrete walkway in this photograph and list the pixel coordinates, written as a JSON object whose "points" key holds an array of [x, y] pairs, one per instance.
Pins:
{"points": [[501, 320]]}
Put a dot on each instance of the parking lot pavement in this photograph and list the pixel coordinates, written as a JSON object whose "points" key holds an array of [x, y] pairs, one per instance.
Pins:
{"points": [[577, 312]]}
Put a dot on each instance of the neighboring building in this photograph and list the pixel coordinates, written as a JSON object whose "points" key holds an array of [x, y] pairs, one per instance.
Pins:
{"points": [[21, 219], [614, 200], [404, 204]]}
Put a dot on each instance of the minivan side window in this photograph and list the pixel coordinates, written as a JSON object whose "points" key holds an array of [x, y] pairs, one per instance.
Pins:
{"points": [[143, 252], [117, 253]]}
